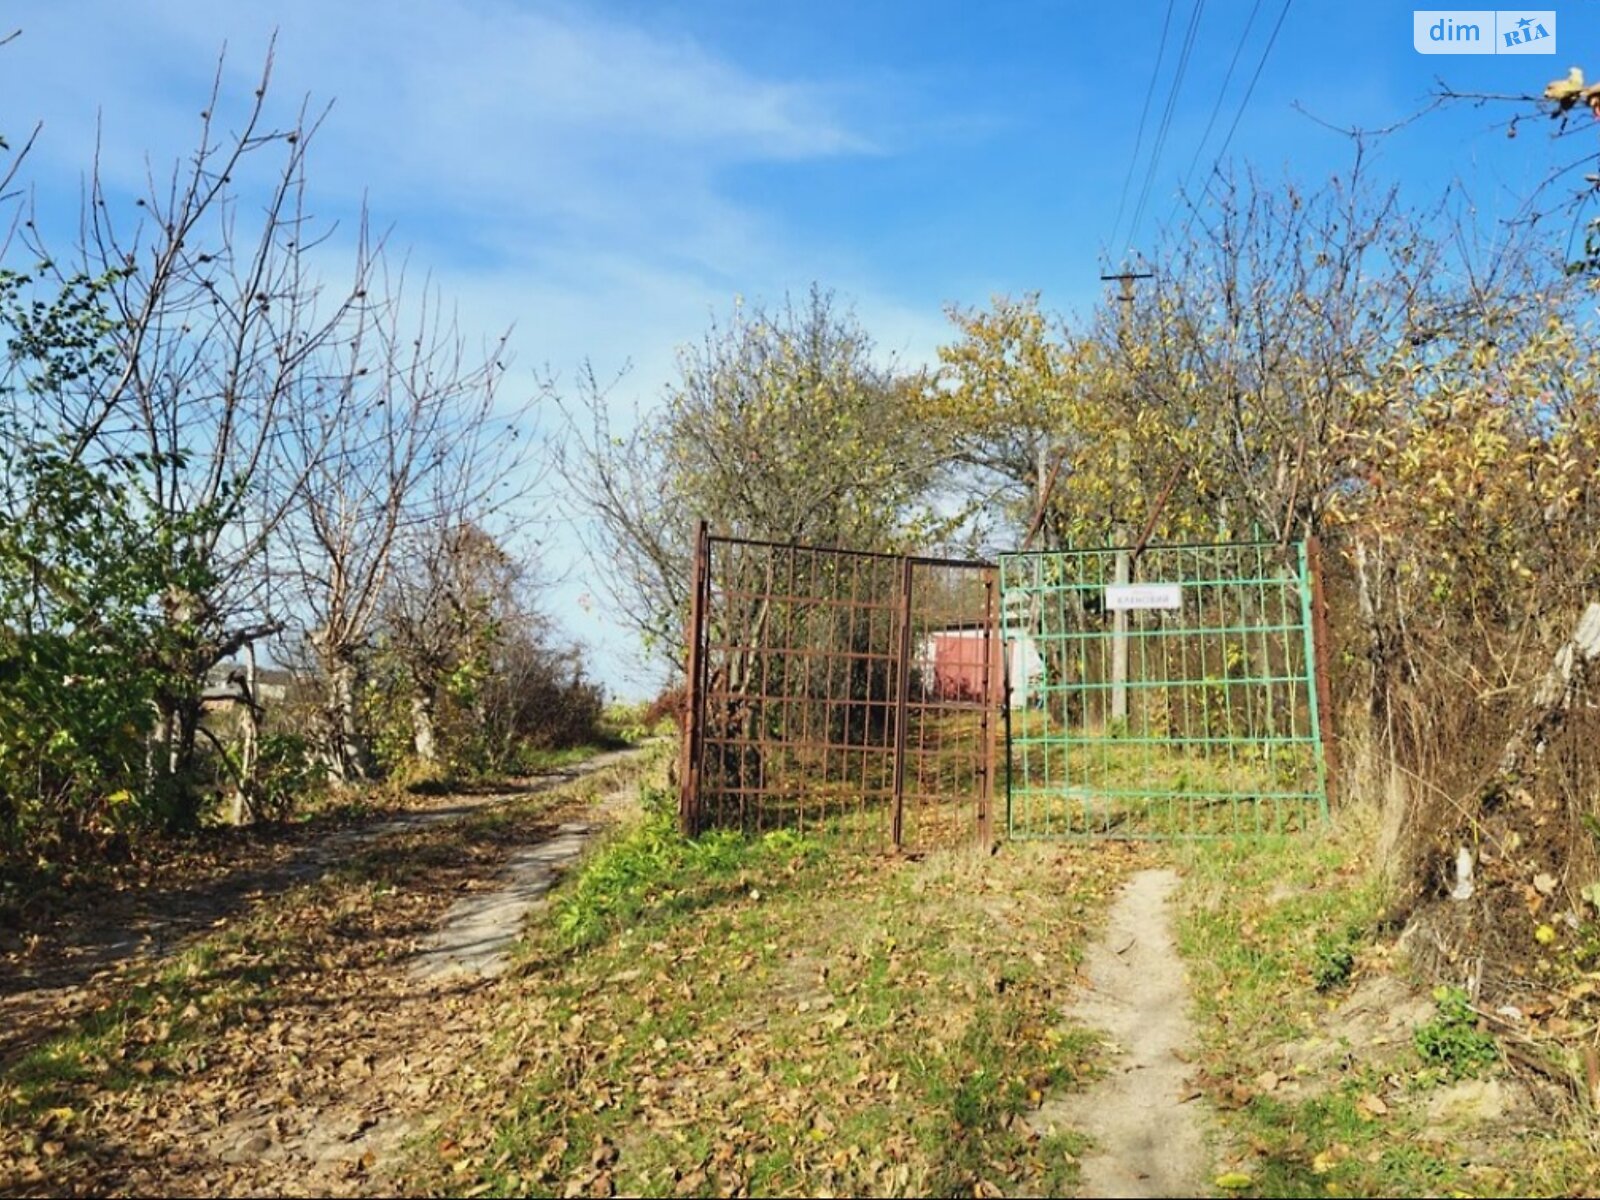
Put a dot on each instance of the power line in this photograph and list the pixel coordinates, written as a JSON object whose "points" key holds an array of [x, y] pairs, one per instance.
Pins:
{"points": [[1165, 126], [1144, 112], [1254, 79], [1166, 116], [1216, 107], [1243, 103]]}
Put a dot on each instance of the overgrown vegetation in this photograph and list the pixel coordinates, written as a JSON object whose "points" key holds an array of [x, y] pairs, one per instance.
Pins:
{"points": [[1453, 1040], [1307, 362], [215, 463], [1332, 1070]]}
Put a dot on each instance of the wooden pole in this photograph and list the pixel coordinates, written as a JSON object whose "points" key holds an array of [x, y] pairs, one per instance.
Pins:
{"points": [[1123, 565]]}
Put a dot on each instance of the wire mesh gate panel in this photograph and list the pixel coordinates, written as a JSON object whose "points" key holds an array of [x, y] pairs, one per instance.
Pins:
{"points": [[1169, 695], [841, 691]]}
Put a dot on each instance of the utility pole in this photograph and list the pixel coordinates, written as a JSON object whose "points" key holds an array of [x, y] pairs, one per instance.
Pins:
{"points": [[1123, 533]]}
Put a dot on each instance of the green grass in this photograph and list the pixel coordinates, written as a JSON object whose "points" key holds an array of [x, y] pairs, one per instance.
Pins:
{"points": [[1452, 1042], [761, 1014], [538, 762], [1074, 781], [1261, 919], [654, 869]]}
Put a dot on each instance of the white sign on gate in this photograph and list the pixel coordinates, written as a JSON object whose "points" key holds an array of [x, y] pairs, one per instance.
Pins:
{"points": [[1126, 597]]}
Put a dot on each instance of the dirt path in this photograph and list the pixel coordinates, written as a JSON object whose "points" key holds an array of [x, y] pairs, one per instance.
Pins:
{"points": [[345, 1133], [39, 991], [1148, 1139], [375, 1022], [475, 938]]}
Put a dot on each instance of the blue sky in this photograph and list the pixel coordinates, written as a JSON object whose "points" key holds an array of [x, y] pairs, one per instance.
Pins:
{"points": [[608, 176]]}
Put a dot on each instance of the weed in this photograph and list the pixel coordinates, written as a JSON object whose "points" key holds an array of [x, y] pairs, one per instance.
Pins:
{"points": [[1335, 959], [1453, 1041], [654, 867], [658, 802]]}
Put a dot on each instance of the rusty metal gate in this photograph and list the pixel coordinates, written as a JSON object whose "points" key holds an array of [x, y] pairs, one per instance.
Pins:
{"points": [[841, 691]]}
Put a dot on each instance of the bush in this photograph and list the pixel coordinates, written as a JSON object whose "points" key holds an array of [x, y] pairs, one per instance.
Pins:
{"points": [[496, 712], [667, 709], [635, 722], [77, 688], [286, 774], [1335, 959], [72, 742]]}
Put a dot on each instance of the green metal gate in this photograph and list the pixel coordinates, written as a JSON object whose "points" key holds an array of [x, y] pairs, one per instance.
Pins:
{"points": [[1168, 692]]}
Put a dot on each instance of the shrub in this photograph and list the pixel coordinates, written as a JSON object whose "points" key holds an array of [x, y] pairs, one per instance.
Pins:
{"points": [[1335, 959], [286, 773]]}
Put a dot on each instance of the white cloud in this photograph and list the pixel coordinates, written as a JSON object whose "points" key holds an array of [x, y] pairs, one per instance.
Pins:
{"points": [[553, 168], [519, 122]]}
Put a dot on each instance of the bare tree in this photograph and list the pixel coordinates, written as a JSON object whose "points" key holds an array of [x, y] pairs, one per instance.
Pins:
{"points": [[1290, 304], [451, 557], [440, 616], [8, 173], [636, 522], [410, 392]]}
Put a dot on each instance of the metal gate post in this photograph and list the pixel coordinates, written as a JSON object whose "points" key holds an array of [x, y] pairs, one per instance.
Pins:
{"points": [[993, 672], [694, 698], [1322, 648], [1313, 669], [902, 703]]}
